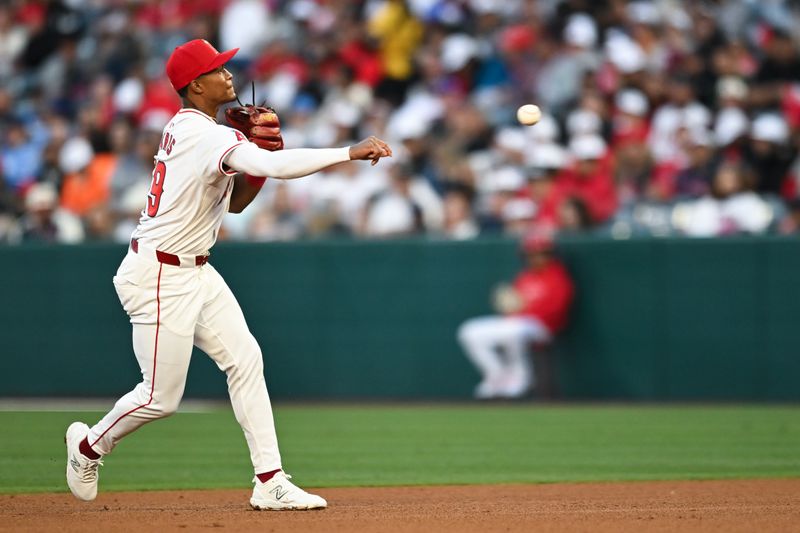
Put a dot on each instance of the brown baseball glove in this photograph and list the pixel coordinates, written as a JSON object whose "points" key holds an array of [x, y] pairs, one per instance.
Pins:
{"points": [[259, 124], [506, 300]]}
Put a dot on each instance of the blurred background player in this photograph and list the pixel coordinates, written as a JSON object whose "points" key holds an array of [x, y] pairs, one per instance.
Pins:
{"points": [[531, 311]]}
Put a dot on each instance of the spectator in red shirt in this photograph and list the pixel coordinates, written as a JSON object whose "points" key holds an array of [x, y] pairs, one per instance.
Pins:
{"points": [[531, 311], [543, 167], [591, 178]]}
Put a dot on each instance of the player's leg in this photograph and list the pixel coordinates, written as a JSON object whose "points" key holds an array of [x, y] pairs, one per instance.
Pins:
{"points": [[478, 338], [516, 335], [163, 304], [223, 334], [153, 298], [164, 358]]}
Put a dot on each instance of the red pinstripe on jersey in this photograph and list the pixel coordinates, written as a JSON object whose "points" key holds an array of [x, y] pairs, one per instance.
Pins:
{"points": [[155, 358]]}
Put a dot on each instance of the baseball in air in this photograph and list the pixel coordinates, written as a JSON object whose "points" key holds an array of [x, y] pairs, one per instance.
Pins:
{"points": [[529, 114]]}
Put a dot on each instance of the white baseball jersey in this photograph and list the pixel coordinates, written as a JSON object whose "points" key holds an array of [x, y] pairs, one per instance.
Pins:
{"points": [[191, 189]]}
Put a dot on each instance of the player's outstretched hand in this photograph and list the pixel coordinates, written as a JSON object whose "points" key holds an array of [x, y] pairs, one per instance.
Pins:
{"points": [[370, 149]]}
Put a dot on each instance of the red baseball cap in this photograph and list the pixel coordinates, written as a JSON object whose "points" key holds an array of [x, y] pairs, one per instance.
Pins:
{"points": [[190, 60], [538, 241]]}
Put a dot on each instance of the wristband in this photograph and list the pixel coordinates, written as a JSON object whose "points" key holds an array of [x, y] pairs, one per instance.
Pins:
{"points": [[255, 181]]}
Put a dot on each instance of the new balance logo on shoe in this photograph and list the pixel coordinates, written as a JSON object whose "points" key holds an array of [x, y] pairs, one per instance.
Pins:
{"points": [[75, 464], [277, 490], [279, 493]]}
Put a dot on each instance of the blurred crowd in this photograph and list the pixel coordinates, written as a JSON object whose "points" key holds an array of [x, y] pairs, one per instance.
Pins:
{"points": [[661, 117]]}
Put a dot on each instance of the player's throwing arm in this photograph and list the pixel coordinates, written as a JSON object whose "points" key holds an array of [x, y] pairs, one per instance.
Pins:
{"points": [[261, 126], [294, 163]]}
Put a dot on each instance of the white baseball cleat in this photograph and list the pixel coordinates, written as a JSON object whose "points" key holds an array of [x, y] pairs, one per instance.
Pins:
{"points": [[81, 471], [280, 494], [515, 385], [486, 389]]}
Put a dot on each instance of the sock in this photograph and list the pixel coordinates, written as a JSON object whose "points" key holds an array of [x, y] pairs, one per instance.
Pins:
{"points": [[87, 450], [266, 476]]}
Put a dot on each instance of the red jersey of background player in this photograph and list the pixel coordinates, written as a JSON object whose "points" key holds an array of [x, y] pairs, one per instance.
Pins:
{"points": [[546, 293]]}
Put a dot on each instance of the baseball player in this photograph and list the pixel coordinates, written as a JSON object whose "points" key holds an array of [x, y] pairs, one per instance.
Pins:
{"points": [[531, 311], [176, 299]]}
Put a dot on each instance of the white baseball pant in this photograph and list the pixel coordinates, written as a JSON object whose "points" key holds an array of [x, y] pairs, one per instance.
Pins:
{"points": [[173, 308], [481, 337]]}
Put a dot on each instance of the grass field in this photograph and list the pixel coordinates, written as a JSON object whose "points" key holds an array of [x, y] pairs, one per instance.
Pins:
{"points": [[339, 446]]}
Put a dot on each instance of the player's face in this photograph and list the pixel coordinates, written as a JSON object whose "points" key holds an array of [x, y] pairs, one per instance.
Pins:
{"points": [[537, 260], [218, 85]]}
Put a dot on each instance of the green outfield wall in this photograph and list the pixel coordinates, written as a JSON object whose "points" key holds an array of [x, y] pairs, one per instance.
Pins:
{"points": [[653, 320]]}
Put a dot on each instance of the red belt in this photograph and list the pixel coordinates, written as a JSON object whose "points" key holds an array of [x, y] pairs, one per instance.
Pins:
{"points": [[170, 259]]}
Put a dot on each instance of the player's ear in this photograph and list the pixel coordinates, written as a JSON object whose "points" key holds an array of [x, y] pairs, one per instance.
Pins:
{"points": [[196, 87]]}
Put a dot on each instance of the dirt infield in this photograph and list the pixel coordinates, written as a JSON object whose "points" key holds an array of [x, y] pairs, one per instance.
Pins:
{"points": [[722, 506]]}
